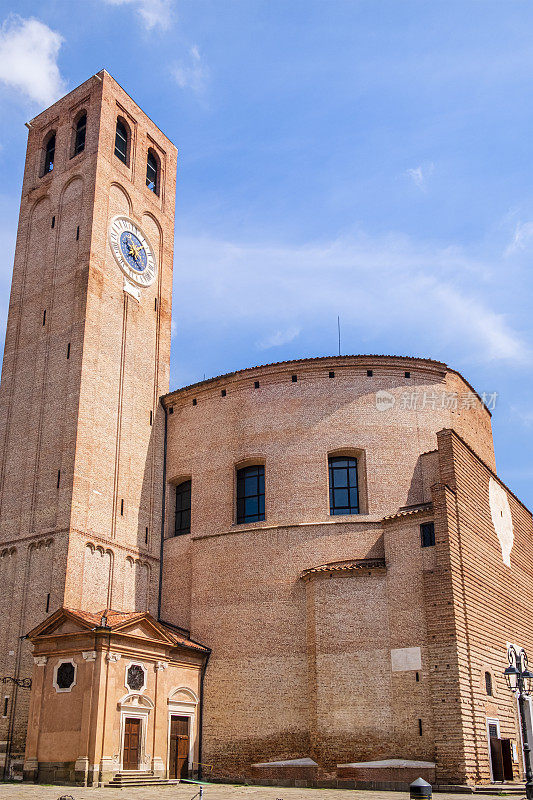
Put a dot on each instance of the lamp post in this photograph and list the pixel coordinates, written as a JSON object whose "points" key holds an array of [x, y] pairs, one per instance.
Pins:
{"points": [[520, 681]]}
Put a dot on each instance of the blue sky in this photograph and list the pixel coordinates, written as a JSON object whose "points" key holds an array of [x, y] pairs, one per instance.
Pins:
{"points": [[370, 159]]}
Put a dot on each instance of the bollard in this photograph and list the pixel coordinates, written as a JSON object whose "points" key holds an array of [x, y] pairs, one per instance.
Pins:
{"points": [[420, 788]]}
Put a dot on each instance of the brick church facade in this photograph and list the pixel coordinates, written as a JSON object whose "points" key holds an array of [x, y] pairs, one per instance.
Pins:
{"points": [[307, 572]]}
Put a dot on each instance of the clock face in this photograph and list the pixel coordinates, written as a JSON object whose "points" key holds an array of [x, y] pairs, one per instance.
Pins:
{"points": [[132, 251]]}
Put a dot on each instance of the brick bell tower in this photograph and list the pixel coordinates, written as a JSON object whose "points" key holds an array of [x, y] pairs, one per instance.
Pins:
{"points": [[86, 359]]}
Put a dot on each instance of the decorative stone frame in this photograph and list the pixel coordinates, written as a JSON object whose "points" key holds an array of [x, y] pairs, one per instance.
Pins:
{"points": [[139, 707], [491, 721], [56, 668], [145, 673]]}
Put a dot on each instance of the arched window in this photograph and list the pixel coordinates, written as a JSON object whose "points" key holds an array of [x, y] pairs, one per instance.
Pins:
{"points": [[488, 683], [152, 172], [182, 522], [49, 154], [251, 493], [343, 488], [79, 138], [121, 141]]}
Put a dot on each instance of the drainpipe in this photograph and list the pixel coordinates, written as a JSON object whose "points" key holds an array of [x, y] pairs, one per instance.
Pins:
{"points": [[163, 507], [201, 715]]}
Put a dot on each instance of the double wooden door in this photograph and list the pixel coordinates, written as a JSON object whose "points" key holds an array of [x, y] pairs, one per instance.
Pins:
{"points": [[179, 747], [501, 759], [132, 743]]}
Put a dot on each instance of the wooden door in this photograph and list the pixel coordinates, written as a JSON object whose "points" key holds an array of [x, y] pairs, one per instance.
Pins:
{"points": [[132, 743], [179, 747], [507, 758], [496, 758]]}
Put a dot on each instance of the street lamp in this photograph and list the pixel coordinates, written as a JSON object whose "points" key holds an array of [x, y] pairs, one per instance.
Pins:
{"points": [[520, 681]]}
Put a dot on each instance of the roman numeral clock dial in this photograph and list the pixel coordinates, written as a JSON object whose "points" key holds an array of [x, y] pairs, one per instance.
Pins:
{"points": [[132, 251]]}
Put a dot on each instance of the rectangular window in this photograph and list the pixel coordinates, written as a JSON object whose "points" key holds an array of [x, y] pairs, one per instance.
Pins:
{"points": [[427, 534], [6, 706], [182, 523], [251, 494], [343, 489]]}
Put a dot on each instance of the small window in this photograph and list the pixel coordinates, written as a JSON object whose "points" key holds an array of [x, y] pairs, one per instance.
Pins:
{"points": [[65, 676], [343, 489], [369, 373], [183, 509], [407, 374], [152, 172], [294, 378], [332, 374], [79, 138], [488, 683], [121, 142], [493, 730], [427, 534], [251, 494], [6, 706], [256, 384], [49, 154], [135, 677]]}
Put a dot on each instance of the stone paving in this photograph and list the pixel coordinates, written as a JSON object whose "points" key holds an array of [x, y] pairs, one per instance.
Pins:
{"points": [[27, 791]]}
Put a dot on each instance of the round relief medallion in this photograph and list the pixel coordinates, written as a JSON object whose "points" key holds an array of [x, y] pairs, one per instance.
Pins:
{"points": [[132, 250]]}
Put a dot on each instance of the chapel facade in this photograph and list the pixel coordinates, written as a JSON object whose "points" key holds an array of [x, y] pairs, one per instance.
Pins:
{"points": [[306, 572]]}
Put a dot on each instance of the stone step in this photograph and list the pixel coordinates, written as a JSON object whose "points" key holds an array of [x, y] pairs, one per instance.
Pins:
{"points": [[139, 778], [514, 789], [129, 784]]}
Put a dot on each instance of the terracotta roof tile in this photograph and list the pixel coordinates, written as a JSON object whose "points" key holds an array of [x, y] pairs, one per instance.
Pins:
{"points": [[346, 566], [115, 619]]}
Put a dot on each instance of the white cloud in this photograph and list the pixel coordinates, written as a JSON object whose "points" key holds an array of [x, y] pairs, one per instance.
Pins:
{"points": [[523, 414], [394, 290], [193, 75], [278, 338], [28, 59], [154, 13], [522, 238], [420, 175]]}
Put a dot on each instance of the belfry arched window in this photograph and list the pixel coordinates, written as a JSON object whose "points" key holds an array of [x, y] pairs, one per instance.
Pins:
{"points": [[79, 136], [152, 172], [121, 141], [49, 153]]}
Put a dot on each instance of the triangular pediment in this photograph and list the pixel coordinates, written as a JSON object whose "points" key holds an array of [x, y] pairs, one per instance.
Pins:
{"points": [[62, 621], [144, 629]]}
